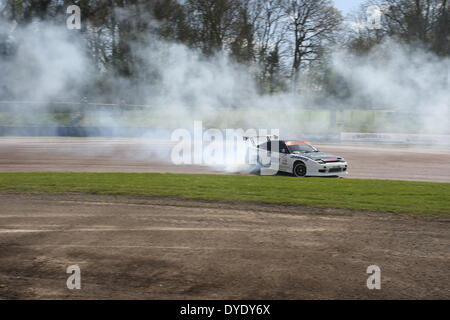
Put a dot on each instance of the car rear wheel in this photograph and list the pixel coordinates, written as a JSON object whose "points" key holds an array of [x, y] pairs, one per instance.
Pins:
{"points": [[299, 170]]}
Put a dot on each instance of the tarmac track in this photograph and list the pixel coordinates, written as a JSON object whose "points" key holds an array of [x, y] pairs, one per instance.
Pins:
{"points": [[163, 248], [145, 155]]}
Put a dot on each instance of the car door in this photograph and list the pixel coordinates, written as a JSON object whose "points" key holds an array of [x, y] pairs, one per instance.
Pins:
{"points": [[279, 155], [268, 155], [273, 154], [284, 157], [264, 154]]}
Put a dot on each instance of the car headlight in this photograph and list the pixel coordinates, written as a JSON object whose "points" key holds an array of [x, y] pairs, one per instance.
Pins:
{"points": [[320, 161]]}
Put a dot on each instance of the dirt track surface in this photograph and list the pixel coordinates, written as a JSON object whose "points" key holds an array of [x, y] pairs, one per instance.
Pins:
{"points": [[140, 248], [147, 155]]}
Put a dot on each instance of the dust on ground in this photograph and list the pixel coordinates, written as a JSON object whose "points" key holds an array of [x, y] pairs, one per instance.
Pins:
{"points": [[166, 248]]}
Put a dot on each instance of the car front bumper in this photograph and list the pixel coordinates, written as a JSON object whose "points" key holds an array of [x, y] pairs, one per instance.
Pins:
{"points": [[328, 170]]}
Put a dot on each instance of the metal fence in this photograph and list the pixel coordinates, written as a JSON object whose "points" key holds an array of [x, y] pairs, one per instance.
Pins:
{"points": [[68, 106]]}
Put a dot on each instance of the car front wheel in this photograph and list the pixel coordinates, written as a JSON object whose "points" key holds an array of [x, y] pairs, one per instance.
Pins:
{"points": [[299, 170]]}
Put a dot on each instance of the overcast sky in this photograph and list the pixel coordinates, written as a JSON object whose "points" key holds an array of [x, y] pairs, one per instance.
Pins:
{"points": [[348, 6]]}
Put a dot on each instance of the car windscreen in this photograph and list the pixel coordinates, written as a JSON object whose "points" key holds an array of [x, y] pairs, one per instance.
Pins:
{"points": [[302, 148]]}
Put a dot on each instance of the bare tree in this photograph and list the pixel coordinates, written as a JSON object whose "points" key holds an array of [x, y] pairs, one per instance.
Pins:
{"points": [[214, 22], [268, 25], [311, 24], [417, 21], [242, 46]]}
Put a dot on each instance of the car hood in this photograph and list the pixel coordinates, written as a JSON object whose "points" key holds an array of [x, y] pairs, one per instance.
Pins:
{"points": [[318, 156]]}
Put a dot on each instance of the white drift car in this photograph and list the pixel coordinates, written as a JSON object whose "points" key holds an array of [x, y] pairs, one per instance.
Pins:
{"points": [[299, 158]]}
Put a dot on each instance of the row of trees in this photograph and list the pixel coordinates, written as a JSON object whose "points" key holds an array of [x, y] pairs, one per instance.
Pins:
{"points": [[415, 22], [285, 39]]}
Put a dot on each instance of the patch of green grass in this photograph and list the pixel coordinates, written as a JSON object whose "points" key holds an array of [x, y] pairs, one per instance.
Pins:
{"points": [[375, 195]]}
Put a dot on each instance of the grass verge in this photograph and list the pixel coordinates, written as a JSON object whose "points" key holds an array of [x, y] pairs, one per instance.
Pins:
{"points": [[376, 195]]}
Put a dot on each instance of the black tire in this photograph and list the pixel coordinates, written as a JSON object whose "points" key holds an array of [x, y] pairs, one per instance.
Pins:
{"points": [[299, 170]]}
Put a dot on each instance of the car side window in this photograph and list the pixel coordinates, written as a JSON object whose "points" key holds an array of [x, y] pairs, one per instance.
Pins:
{"points": [[283, 148], [268, 146]]}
